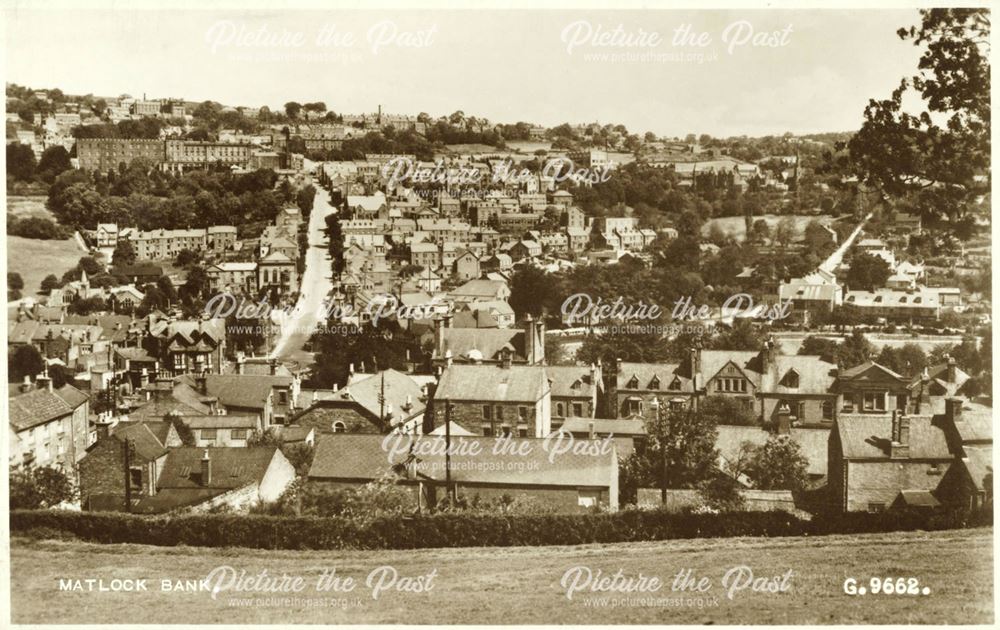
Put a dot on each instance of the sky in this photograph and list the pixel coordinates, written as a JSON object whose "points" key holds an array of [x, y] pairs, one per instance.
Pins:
{"points": [[724, 73]]}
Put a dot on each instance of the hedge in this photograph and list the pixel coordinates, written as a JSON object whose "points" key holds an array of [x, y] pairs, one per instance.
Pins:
{"points": [[459, 530]]}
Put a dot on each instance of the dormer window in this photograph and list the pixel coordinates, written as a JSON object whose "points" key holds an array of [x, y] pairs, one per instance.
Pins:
{"points": [[675, 384], [633, 383], [917, 300], [655, 383], [791, 379], [878, 299], [902, 300]]}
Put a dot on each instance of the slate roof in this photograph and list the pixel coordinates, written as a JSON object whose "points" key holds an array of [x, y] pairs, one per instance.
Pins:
{"points": [[232, 467], [249, 391], [147, 445], [488, 342], [228, 421], [604, 426], [362, 457], [517, 383], [160, 430], [41, 405], [398, 387], [573, 381], [644, 373], [865, 436]]}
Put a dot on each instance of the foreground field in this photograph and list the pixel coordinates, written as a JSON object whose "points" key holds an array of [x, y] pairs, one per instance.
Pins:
{"points": [[521, 585], [34, 259]]}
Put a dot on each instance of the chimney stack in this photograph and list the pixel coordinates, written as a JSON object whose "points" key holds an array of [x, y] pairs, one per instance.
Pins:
{"points": [[952, 370], [784, 422], [26, 386], [900, 447], [590, 430], [206, 469], [953, 409]]}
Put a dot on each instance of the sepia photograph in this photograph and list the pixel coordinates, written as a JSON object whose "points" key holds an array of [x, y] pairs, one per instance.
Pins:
{"points": [[501, 313]]}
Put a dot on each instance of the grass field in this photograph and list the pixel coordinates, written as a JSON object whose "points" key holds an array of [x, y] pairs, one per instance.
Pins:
{"points": [[28, 206], [736, 227], [34, 259], [522, 585]]}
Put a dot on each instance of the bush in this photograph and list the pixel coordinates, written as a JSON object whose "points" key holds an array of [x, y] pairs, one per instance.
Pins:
{"points": [[263, 531]]}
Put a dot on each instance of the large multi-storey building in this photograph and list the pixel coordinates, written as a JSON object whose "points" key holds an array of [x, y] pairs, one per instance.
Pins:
{"points": [[105, 154], [163, 244], [183, 155]]}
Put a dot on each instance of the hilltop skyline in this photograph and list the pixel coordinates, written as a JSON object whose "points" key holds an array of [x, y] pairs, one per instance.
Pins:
{"points": [[464, 61]]}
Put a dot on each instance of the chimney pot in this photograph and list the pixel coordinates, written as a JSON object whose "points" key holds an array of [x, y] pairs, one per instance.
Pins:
{"points": [[206, 469]]}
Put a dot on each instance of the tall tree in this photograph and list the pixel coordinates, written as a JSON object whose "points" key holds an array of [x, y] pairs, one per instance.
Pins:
{"points": [[934, 159]]}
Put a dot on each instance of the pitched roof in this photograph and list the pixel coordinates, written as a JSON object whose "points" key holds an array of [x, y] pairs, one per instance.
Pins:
{"points": [[604, 426], [865, 436], [41, 405], [486, 342], [362, 457], [398, 389], [571, 380], [517, 383], [232, 467], [147, 445], [249, 391]]}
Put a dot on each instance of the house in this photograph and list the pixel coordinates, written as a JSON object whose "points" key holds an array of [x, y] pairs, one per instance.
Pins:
{"points": [[499, 313], [872, 388], [483, 345], [480, 290], [495, 400], [879, 462], [377, 403], [817, 292], [780, 389], [897, 305], [277, 272], [467, 265], [202, 479], [126, 298], [48, 426], [576, 390], [140, 274], [930, 390], [525, 249], [426, 255], [102, 478], [189, 346], [237, 277], [477, 467], [221, 430], [271, 398]]}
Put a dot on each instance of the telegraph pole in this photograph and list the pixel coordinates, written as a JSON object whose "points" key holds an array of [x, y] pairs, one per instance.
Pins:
{"points": [[447, 451], [127, 445]]}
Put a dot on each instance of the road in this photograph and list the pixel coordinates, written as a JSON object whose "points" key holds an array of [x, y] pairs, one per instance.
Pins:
{"points": [[316, 285], [830, 264]]}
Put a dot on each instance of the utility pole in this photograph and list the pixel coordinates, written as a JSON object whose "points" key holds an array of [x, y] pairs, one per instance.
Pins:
{"points": [[447, 452], [127, 445]]}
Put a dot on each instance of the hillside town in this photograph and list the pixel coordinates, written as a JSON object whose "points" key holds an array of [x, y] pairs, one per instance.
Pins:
{"points": [[444, 252]]}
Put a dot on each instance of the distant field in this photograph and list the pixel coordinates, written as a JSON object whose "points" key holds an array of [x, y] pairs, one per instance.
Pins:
{"points": [[24, 207], [34, 259], [521, 585], [736, 227]]}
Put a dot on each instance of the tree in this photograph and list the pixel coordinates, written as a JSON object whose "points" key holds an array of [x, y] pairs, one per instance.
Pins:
{"points": [[20, 161], [335, 235], [292, 109], [24, 361], [15, 284], [867, 272], [932, 158], [54, 161], [49, 282], [727, 410], [534, 291], [124, 253], [187, 257], [778, 464], [908, 360], [679, 452], [34, 488]]}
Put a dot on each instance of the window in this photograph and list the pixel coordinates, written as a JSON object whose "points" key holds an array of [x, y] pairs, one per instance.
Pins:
{"points": [[633, 383], [675, 384], [135, 478], [874, 401], [559, 410], [487, 430], [791, 379], [578, 409], [522, 413], [876, 507], [522, 432], [283, 397], [499, 413], [587, 498], [238, 434], [505, 431], [339, 427], [487, 412], [634, 406], [208, 434], [828, 410], [655, 383], [935, 469]]}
